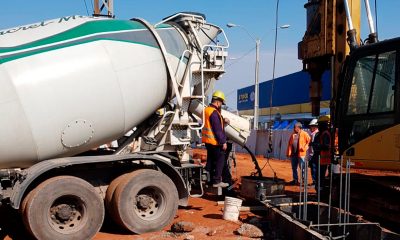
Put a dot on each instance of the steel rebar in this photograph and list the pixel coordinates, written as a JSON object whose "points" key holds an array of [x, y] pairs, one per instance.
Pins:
{"points": [[300, 190], [348, 194], [330, 198], [318, 189], [305, 171], [340, 189]]}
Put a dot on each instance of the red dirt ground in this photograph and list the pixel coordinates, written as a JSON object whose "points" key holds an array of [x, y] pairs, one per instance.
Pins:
{"points": [[203, 212], [206, 214]]}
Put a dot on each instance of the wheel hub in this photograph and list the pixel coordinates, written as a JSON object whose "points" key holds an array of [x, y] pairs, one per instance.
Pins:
{"points": [[149, 203], [144, 202], [64, 212]]}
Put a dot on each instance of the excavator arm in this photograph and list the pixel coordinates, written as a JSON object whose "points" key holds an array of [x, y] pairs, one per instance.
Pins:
{"points": [[325, 44]]}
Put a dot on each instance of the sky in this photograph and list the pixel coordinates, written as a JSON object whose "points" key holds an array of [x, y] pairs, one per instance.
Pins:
{"points": [[257, 16]]}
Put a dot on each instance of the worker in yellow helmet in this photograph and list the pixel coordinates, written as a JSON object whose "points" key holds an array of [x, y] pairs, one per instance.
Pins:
{"points": [[213, 135]]}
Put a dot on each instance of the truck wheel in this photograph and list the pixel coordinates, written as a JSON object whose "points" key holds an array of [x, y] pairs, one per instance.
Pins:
{"points": [[110, 194], [63, 207], [23, 208], [145, 201]]}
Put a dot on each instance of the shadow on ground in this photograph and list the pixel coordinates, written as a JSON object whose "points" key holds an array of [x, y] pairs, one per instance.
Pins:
{"points": [[11, 225]]}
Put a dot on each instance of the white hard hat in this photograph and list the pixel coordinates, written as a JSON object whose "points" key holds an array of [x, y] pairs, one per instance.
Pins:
{"points": [[313, 122]]}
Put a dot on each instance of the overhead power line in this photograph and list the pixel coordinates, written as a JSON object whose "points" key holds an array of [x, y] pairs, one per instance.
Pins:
{"points": [[87, 11]]}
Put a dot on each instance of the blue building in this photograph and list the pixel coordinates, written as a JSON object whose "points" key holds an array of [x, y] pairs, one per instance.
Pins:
{"points": [[290, 98]]}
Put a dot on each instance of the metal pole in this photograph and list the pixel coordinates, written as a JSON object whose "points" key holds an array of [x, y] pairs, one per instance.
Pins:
{"points": [[348, 15], [330, 198], [340, 189], [349, 224], [305, 170], [351, 33], [348, 195], [256, 84], [96, 7], [345, 198], [300, 190], [111, 8], [318, 189], [107, 4], [369, 16], [273, 67]]}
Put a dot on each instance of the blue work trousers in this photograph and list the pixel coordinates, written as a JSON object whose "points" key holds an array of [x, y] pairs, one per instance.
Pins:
{"points": [[314, 167], [297, 162]]}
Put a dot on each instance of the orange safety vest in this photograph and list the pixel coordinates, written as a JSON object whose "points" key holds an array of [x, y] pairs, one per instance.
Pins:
{"points": [[207, 134], [325, 157], [303, 142]]}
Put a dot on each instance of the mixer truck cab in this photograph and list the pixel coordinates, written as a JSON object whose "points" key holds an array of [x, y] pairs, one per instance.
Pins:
{"points": [[74, 83]]}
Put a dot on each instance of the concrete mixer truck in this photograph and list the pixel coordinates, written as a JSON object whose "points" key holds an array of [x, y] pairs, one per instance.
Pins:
{"points": [[71, 84]]}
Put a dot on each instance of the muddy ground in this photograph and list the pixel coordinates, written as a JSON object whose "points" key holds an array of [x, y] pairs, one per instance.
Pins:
{"points": [[204, 212]]}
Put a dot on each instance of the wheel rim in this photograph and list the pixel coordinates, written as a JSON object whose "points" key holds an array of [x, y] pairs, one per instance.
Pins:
{"points": [[149, 203], [67, 214]]}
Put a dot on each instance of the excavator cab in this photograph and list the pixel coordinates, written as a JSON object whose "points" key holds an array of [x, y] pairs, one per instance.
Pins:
{"points": [[368, 116]]}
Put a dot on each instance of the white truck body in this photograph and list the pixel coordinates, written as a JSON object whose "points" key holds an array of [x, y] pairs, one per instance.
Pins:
{"points": [[74, 83], [71, 84]]}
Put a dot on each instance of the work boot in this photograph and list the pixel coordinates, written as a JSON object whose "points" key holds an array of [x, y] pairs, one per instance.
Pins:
{"points": [[220, 184]]}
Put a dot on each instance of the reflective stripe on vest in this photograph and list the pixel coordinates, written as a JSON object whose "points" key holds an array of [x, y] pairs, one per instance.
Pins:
{"points": [[207, 133], [325, 157]]}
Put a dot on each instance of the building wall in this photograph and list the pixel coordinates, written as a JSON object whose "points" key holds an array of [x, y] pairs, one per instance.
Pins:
{"points": [[290, 95]]}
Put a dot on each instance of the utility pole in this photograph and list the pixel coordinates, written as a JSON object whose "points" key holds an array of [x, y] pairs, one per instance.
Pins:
{"points": [[257, 70], [104, 8], [257, 84]]}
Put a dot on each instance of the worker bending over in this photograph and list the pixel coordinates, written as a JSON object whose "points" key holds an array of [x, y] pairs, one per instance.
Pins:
{"points": [[213, 135]]}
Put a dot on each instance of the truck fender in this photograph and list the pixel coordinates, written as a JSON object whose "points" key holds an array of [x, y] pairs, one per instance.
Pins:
{"points": [[29, 175]]}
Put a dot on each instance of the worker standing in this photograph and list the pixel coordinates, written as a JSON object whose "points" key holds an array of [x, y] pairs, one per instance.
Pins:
{"points": [[297, 151], [313, 158], [322, 147], [213, 135]]}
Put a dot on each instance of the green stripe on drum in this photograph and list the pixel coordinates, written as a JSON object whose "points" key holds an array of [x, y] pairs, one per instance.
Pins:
{"points": [[88, 28], [30, 53]]}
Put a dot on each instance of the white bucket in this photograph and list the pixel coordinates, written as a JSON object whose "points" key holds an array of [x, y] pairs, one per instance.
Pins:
{"points": [[232, 208]]}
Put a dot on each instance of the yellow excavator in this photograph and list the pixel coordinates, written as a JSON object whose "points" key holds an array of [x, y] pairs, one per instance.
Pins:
{"points": [[365, 107], [365, 81]]}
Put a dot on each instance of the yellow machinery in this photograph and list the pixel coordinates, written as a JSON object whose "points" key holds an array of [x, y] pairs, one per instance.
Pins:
{"points": [[365, 105], [365, 84]]}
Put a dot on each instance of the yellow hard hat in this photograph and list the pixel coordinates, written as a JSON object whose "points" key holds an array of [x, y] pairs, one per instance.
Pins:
{"points": [[219, 95], [325, 118]]}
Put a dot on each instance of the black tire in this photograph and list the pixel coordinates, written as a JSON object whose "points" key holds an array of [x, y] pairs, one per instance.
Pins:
{"points": [[108, 200], [23, 206], [146, 201], [63, 207]]}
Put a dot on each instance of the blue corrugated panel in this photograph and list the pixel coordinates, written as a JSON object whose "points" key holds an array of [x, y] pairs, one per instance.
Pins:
{"points": [[288, 90]]}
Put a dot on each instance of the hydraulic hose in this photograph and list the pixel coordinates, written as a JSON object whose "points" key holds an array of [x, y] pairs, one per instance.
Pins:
{"points": [[254, 159]]}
